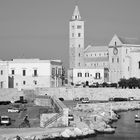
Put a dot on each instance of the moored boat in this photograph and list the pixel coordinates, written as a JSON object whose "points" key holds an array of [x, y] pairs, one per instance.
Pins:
{"points": [[106, 131], [137, 118]]}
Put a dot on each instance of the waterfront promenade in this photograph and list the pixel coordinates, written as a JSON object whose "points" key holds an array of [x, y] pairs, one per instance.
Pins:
{"points": [[90, 116]]}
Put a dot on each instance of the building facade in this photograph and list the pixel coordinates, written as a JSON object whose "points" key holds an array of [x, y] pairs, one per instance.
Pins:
{"points": [[88, 76], [30, 73], [124, 58], [119, 59]]}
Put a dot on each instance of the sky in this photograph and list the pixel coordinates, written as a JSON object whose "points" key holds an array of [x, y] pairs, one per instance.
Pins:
{"points": [[40, 28]]}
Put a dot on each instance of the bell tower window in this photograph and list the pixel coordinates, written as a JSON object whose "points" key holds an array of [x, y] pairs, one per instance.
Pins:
{"points": [[79, 54], [79, 34]]}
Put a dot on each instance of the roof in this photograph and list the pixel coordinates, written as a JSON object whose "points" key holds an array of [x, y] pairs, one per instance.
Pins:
{"points": [[96, 49], [136, 50], [76, 14], [96, 59], [126, 40]]}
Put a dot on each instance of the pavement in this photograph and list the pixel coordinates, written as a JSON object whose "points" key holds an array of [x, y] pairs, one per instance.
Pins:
{"points": [[10, 132]]}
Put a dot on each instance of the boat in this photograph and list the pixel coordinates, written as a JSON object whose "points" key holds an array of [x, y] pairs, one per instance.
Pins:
{"points": [[105, 130], [137, 118]]}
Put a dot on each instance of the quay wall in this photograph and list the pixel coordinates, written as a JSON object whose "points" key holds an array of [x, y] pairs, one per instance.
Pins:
{"points": [[91, 93], [107, 106], [68, 93]]}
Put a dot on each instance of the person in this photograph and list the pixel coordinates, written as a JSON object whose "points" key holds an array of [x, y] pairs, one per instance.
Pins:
{"points": [[26, 120]]}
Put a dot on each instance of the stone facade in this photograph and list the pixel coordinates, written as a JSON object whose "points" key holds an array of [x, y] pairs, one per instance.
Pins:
{"points": [[119, 59]]}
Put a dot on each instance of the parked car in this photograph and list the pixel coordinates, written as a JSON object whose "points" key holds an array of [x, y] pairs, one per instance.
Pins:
{"points": [[61, 99], [4, 102], [94, 85], [131, 99], [111, 99], [120, 99], [76, 99], [70, 117], [5, 120], [81, 98], [21, 101], [85, 100], [13, 110]]}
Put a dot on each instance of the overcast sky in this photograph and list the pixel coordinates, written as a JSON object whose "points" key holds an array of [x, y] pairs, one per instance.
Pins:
{"points": [[39, 28]]}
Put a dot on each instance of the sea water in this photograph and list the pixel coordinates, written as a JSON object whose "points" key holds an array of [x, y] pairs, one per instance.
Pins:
{"points": [[126, 129]]}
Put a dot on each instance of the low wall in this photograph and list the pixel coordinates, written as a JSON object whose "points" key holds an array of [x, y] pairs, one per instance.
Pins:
{"points": [[43, 101], [116, 106], [10, 94], [92, 93]]}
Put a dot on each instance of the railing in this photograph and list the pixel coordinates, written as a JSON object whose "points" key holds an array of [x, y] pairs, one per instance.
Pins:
{"points": [[53, 119], [61, 106]]}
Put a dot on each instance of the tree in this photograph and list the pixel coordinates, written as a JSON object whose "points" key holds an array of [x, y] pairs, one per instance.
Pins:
{"points": [[123, 83], [132, 82]]}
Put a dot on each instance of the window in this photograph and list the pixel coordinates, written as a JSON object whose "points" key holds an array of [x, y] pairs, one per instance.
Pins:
{"points": [[72, 34], [73, 27], [79, 64], [79, 34], [79, 26], [115, 43], [128, 68], [35, 72], [53, 71], [1, 72], [79, 54], [86, 74], [126, 51], [24, 82], [79, 45], [79, 74], [139, 64], [118, 60], [59, 71], [24, 72], [75, 17], [1, 84], [13, 72], [112, 60], [97, 75]]}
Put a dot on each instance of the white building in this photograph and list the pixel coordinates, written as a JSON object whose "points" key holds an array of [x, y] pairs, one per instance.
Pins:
{"points": [[120, 59], [30, 73], [88, 76]]}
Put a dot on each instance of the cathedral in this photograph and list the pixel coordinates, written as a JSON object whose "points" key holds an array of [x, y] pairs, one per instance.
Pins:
{"points": [[98, 64]]}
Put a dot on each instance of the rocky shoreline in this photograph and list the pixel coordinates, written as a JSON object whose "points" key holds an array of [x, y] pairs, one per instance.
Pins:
{"points": [[89, 120]]}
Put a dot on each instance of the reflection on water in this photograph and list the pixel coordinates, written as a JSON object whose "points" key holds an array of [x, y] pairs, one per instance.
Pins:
{"points": [[126, 129]]}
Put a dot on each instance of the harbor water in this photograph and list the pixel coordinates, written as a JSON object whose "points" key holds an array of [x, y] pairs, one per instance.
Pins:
{"points": [[126, 129]]}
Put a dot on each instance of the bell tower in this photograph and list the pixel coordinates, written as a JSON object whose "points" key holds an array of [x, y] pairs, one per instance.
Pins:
{"points": [[76, 40]]}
